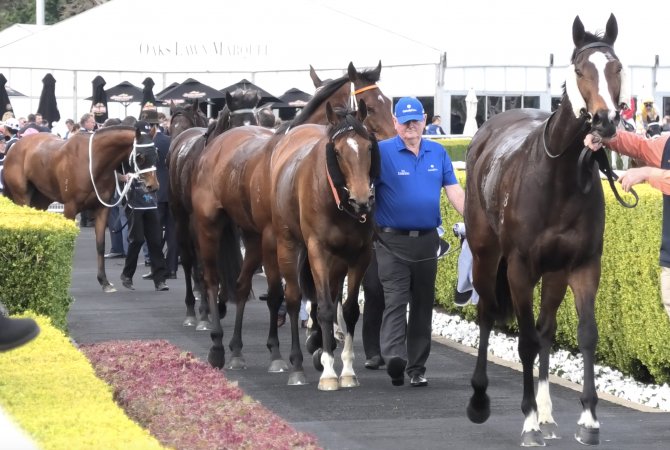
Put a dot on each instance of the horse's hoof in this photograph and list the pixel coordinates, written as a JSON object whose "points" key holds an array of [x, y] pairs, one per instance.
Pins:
{"points": [[479, 409], [297, 379], [328, 384], [532, 438], [316, 359], [549, 430], [312, 344], [217, 357], [237, 363], [190, 321], [587, 436], [203, 325], [349, 381], [108, 288], [278, 366]]}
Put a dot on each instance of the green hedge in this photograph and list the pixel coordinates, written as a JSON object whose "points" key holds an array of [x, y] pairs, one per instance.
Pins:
{"points": [[36, 252], [456, 147], [633, 326]]}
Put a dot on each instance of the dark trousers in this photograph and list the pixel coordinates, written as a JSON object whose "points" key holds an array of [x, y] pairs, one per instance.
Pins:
{"points": [[373, 310], [406, 283], [169, 236], [144, 224]]}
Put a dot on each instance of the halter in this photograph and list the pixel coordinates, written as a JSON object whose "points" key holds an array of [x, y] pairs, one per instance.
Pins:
{"points": [[132, 159], [355, 92]]}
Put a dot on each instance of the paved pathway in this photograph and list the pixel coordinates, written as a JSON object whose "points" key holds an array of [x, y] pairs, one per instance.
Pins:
{"points": [[375, 415]]}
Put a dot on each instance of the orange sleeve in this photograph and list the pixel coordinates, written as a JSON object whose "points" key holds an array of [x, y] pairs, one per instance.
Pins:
{"points": [[660, 179], [639, 147]]}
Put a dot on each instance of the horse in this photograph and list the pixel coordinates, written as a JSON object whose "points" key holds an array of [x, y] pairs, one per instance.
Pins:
{"points": [[185, 150], [185, 117], [323, 195], [528, 218], [80, 173], [233, 185]]}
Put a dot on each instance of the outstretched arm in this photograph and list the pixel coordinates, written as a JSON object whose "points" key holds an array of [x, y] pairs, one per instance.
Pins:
{"points": [[456, 196]]}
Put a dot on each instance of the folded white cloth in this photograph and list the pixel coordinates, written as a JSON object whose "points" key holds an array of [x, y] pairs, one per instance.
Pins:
{"points": [[464, 283]]}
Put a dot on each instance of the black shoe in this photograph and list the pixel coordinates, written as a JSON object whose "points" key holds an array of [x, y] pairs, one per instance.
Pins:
{"points": [[418, 381], [374, 363], [263, 297], [16, 332], [396, 370], [171, 275], [147, 262], [162, 286], [111, 255], [127, 282], [148, 276]]}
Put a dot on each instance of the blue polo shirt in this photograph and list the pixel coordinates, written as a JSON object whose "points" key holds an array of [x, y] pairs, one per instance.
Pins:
{"points": [[409, 187]]}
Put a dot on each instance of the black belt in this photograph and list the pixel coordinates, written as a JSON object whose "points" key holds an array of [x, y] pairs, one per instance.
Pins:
{"points": [[411, 233]]}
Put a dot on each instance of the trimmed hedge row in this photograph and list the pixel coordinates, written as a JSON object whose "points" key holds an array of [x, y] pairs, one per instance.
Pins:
{"points": [[633, 326], [36, 251]]}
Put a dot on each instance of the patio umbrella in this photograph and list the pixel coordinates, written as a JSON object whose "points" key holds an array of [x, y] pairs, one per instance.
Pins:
{"points": [[99, 106], [5, 104], [293, 98], [245, 84], [48, 106], [168, 88], [190, 89], [470, 121], [124, 93], [148, 97]]}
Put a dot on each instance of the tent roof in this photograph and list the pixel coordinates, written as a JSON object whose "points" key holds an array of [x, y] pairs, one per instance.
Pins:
{"points": [[210, 35]]}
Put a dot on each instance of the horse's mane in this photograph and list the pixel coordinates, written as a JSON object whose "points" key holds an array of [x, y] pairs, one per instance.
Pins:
{"points": [[111, 128], [348, 121]]}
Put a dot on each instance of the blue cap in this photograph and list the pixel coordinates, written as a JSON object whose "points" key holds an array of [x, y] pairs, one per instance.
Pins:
{"points": [[408, 108]]}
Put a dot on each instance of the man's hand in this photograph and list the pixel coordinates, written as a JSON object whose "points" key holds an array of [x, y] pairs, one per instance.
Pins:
{"points": [[634, 176], [593, 142]]}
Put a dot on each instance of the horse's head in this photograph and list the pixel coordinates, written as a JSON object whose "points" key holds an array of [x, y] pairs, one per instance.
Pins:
{"points": [[596, 84], [185, 117], [379, 108], [143, 160], [353, 159], [653, 130], [241, 107]]}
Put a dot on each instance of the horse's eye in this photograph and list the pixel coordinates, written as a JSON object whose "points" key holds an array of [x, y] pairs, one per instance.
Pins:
{"points": [[578, 73], [140, 160]]}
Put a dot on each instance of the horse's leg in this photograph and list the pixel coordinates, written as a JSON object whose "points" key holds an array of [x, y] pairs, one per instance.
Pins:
{"points": [[521, 288], [275, 297], [351, 312], [252, 259], [100, 215], [553, 291], [186, 254], [584, 283]]}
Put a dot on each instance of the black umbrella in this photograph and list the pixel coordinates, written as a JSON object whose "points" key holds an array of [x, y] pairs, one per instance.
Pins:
{"points": [[124, 93], [293, 98], [48, 105], [5, 104], [245, 84], [190, 90], [148, 98], [168, 88], [99, 106]]}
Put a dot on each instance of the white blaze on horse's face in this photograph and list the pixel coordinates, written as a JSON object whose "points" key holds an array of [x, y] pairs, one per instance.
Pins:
{"points": [[351, 142], [599, 61]]}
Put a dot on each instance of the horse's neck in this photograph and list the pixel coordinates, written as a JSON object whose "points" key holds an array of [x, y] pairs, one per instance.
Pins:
{"points": [[564, 133], [108, 155]]}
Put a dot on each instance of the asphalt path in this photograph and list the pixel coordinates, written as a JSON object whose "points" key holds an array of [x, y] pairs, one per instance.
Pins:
{"points": [[375, 415]]}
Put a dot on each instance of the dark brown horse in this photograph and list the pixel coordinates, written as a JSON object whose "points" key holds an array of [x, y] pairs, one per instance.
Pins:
{"points": [[185, 151], [323, 194], [233, 184], [529, 219], [185, 117], [80, 173]]}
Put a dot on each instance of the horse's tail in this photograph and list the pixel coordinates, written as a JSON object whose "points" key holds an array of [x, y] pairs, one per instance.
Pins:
{"points": [[504, 311], [231, 261], [307, 287]]}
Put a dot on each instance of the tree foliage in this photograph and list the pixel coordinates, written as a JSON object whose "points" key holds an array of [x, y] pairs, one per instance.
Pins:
{"points": [[23, 11]]}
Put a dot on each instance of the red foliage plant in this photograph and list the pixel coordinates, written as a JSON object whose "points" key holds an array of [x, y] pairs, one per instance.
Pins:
{"points": [[156, 384]]}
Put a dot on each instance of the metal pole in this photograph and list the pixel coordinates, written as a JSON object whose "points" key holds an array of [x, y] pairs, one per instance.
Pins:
{"points": [[39, 12]]}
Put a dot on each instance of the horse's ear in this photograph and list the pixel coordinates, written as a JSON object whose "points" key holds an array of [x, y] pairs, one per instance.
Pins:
{"points": [[138, 134], [229, 100], [578, 32], [362, 112], [351, 71], [330, 114], [611, 30], [173, 108], [258, 99], [375, 73], [315, 78]]}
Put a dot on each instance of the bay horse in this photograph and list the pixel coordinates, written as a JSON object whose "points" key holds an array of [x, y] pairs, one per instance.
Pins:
{"points": [[323, 195], [233, 184], [185, 117], [80, 173], [185, 150], [528, 219]]}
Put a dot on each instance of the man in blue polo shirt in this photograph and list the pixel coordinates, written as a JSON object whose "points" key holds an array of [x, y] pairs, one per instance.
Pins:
{"points": [[413, 172]]}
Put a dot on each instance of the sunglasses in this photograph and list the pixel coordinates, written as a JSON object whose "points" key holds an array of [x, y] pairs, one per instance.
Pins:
{"points": [[648, 104]]}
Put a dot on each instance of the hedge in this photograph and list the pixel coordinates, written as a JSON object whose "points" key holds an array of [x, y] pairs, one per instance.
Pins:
{"points": [[633, 326], [36, 252]]}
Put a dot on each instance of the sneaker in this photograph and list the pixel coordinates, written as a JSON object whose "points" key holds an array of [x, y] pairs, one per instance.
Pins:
{"points": [[374, 363], [148, 276], [418, 381], [162, 286], [127, 282], [112, 255]]}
